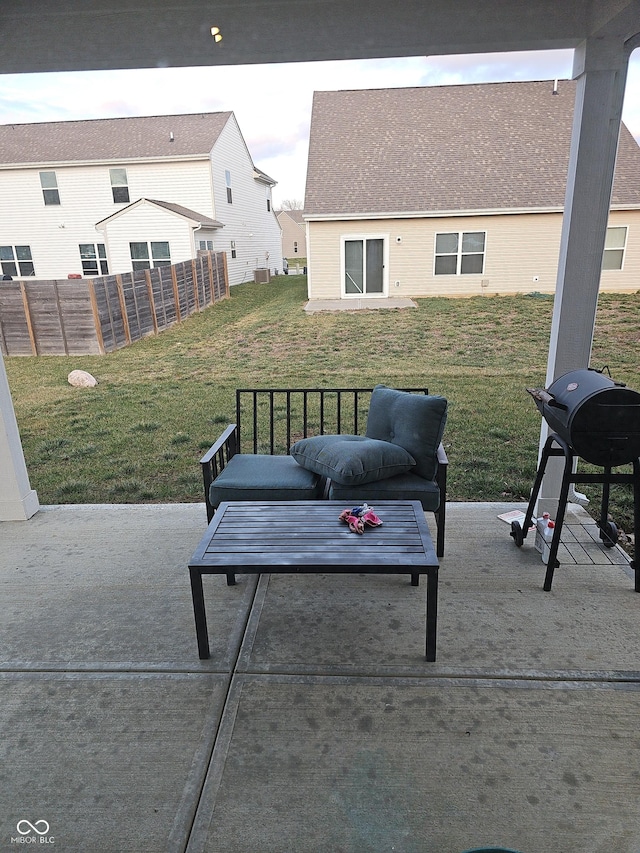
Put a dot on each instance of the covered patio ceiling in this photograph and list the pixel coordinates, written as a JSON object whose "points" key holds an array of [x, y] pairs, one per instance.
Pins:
{"points": [[80, 35], [77, 35]]}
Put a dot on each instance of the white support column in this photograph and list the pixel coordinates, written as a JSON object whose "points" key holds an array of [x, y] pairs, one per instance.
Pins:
{"points": [[600, 67], [18, 501]]}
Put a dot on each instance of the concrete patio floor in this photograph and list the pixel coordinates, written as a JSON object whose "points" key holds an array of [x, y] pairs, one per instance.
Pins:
{"points": [[351, 304], [316, 725]]}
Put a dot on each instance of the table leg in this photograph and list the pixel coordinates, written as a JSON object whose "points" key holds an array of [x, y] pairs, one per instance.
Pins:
{"points": [[197, 593], [432, 611]]}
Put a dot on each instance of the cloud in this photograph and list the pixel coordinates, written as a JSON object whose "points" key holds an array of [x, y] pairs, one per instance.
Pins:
{"points": [[498, 67], [272, 103], [268, 146], [631, 109]]}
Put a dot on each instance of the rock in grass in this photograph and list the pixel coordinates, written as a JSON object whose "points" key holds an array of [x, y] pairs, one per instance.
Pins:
{"points": [[81, 379]]}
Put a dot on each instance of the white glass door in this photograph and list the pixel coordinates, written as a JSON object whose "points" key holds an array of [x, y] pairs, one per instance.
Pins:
{"points": [[364, 266]]}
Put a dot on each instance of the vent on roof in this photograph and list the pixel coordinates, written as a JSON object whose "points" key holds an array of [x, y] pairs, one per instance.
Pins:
{"points": [[171, 136]]}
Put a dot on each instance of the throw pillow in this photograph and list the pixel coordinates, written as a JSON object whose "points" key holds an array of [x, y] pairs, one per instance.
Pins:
{"points": [[351, 459]]}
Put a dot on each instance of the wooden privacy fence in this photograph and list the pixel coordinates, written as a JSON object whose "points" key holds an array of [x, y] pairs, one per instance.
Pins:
{"points": [[98, 315]]}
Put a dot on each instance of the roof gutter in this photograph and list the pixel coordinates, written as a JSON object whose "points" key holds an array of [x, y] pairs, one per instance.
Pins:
{"points": [[443, 214], [39, 164]]}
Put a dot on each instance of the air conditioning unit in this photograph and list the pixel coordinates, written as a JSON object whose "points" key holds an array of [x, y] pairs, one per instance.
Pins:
{"points": [[262, 275]]}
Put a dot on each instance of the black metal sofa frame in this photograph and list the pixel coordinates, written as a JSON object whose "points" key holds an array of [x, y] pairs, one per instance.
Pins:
{"points": [[269, 421]]}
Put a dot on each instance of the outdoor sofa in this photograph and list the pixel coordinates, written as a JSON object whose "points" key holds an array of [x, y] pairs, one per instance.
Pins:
{"points": [[304, 444]]}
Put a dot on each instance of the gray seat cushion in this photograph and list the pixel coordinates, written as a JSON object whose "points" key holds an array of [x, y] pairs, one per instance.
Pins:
{"points": [[351, 459], [249, 477], [404, 487]]}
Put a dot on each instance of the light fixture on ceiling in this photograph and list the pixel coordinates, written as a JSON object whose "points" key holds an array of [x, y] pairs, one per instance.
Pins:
{"points": [[217, 35]]}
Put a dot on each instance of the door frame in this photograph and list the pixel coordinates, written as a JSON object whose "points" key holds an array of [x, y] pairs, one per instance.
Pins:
{"points": [[385, 265]]}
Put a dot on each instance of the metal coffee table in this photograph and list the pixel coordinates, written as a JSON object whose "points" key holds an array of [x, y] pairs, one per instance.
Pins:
{"points": [[307, 536]]}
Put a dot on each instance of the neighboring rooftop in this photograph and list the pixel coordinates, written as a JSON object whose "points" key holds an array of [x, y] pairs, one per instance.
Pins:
{"points": [[259, 175], [111, 139], [296, 215], [205, 221], [480, 147]]}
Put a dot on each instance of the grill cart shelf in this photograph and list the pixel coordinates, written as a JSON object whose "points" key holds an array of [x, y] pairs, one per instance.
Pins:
{"points": [[597, 420]]}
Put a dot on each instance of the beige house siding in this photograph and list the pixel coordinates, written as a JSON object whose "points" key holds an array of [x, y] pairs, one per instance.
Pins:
{"points": [[521, 255], [628, 279], [294, 236]]}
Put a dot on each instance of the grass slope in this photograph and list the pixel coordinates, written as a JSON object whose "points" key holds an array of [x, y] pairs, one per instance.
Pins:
{"points": [[161, 402]]}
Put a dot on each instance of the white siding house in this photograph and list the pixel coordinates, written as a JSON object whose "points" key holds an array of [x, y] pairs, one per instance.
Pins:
{"points": [[136, 237], [242, 197], [86, 197]]}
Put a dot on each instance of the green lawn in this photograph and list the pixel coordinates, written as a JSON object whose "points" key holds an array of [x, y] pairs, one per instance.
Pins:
{"points": [[161, 402]]}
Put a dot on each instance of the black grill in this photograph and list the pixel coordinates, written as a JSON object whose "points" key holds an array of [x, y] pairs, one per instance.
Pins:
{"points": [[598, 417], [598, 420]]}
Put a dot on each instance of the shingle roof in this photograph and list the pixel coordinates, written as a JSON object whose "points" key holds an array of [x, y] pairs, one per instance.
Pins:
{"points": [[205, 221], [296, 215], [262, 176], [111, 139], [489, 146]]}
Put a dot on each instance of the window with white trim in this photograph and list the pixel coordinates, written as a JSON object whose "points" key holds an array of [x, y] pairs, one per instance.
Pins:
{"points": [[227, 178], [94, 259], [146, 255], [233, 249], [460, 253], [16, 260], [119, 185], [614, 246], [49, 184], [206, 245]]}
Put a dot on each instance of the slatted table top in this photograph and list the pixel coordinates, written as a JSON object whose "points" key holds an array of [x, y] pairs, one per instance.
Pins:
{"points": [[308, 536]]}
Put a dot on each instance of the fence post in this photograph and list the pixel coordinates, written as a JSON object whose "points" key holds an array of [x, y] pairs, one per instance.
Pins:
{"points": [[212, 294], [154, 320], [123, 308], [194, 271], [3, 340], [162, 311], [96, 316], [27, 316], [61, 318], [176, 295], [226, 273]]}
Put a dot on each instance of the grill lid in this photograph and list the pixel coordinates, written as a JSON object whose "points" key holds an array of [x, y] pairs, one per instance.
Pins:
{"points": [[598, 417]]}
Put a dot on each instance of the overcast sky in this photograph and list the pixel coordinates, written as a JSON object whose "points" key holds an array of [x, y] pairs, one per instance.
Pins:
{"points": [[271, 102]]}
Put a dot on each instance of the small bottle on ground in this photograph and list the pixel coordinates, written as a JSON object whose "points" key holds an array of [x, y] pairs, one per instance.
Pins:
{"points": [[541, 524], [547, 537]]}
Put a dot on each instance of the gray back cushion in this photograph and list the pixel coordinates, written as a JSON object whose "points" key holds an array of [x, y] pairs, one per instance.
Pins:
{"points": [[413, 421]]}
